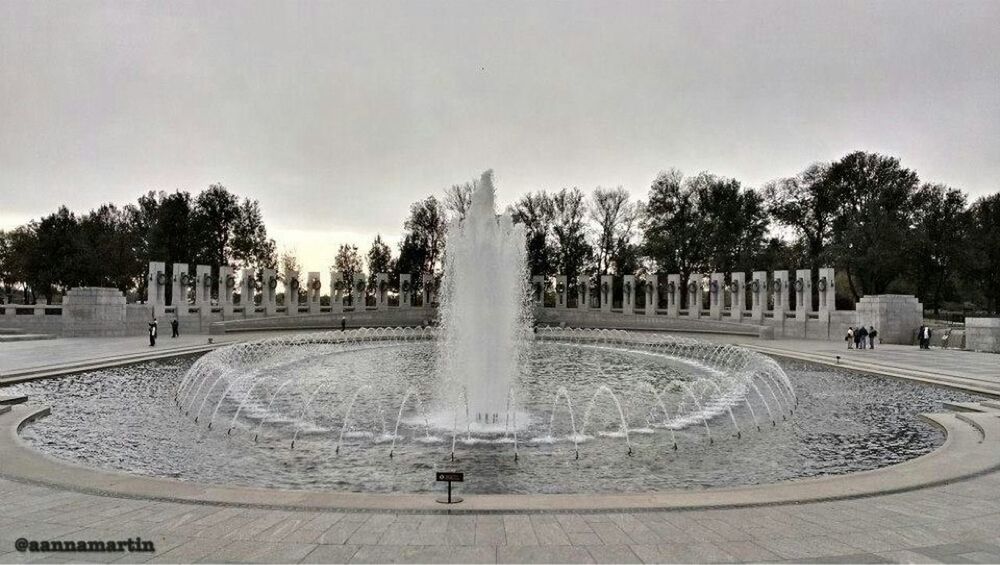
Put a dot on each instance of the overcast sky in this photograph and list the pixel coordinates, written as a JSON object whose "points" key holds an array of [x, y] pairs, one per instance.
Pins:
{"points": [[337, 116]]}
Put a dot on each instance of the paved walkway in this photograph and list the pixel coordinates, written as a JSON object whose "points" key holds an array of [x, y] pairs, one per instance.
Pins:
{"points": [[959, 522]]}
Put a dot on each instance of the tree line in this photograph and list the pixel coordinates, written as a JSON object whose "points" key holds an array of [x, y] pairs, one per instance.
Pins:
{"points": [[865, 214], [112, 246]]}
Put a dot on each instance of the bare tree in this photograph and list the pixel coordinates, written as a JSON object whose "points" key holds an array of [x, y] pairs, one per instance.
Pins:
{"points": [[458, 198], [617, 219]]}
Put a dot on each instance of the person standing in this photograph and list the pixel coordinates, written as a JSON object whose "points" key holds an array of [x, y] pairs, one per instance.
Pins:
{"points": [[174, 328], [927, 337], [152, 333], [862, 334], [872, 334], [850, 337], [343, 323]]}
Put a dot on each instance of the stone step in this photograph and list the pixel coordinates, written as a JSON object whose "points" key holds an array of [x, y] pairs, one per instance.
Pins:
{"points": [[8, 400], [4, 409], [11, 331], [7, 338], [971, 406]]}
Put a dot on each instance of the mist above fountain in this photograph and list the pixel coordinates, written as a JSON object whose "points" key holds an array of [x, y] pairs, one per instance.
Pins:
{"points": [[485, 315]]}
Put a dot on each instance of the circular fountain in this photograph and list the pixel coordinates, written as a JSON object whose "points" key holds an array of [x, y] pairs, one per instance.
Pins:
{"points": [[483, 377]]}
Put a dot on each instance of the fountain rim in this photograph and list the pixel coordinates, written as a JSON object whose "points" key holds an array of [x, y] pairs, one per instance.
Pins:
{"points": [[964, 454]]}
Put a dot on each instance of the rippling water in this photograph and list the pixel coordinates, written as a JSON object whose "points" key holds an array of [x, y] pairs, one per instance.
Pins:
{"points": [[126, 419]]}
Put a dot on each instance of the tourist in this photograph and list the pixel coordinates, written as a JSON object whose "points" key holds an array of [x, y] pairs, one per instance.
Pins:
{"points": [[944, 339], [862, 335], [174, 328], [925, 333], [850, 338], [872, 334], [343, 323], [152, 333]]}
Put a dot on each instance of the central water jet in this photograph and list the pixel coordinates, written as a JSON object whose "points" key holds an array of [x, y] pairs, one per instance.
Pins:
{"points": [[484, 309]]}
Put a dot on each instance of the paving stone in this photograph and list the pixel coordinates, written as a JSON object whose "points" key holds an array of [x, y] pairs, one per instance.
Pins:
{"points": [[613, 554], [331, 554], [682, 553], [907, 556], [543, 554]]}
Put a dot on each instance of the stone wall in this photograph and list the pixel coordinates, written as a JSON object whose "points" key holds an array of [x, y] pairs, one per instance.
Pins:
{"points": [[572, 317], [93, 312], [897, 317], [982, 334]]}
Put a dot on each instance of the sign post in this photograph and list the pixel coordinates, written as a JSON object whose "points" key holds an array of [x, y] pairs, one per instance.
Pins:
{"points": [[450, 477]]}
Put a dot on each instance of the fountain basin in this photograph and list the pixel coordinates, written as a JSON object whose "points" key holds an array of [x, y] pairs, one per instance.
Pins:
{"points": [[843, 422]]}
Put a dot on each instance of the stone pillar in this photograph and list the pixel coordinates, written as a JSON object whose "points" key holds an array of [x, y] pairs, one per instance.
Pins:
{"points": [[827, 292], [694, 291], [607, 292], [405, 291], [538, 290], [896, 316], [737, 296], [628, 294], [803, 294], [248, 287], [652, 293], [292, 285], [673, 296], [716, 295], [178, 290], [336, 292], [562, 291], [226, 288], [96, 311], [583, 292], [269, 292], [427, 283], [156, 287], [758, 296], [358, 287], [381, 291], [314, 289], [779, 291], [203, 289]]}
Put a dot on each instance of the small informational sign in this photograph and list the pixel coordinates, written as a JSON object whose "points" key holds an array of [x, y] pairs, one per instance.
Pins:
{"points": [[450, 477]]}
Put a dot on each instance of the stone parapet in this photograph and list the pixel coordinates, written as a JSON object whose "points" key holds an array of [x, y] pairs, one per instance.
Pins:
{"points": [[93, 311], [982, 334]]}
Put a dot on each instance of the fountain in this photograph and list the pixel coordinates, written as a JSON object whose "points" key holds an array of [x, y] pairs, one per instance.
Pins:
{"points": [[484, 378], [484, 309]]}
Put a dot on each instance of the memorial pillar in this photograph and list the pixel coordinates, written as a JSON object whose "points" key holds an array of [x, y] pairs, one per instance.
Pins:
{"points": [[737, 296], [358, 297], [292, 286], [427, 285], [758, 296], [827, 292], [695, 294], [652, 293], [716, 295], [226, 288], [562, 291], [405, 291], [248, 287], [673, 296], [538, 290], [336, 292], [181, 280], [269, 292], [381, 291], [314, 290], [156, 287], [803, 294], [583, 292], [779, 292], [606, 292], [628, 294], [203, 289]]}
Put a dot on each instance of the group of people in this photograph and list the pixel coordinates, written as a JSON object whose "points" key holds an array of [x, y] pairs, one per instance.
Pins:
{"points": [[861, 338], [154, 326]]}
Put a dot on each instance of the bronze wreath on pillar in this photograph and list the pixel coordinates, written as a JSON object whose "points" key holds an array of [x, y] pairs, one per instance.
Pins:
{"points": [[734, 287], [161, 279], [755, 285], [628, 290], [360, 285], [185, 279], [316, 284], [338, 285], [692, 287], [799, 285], [776, 284], [207, 281], [230, 281], [406, 286], [671, 287], [714, 286], [272, 283], [822, 284]]}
